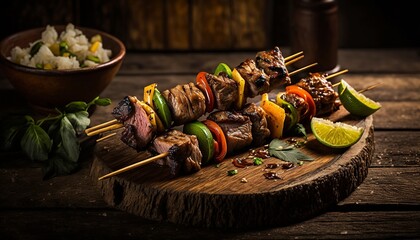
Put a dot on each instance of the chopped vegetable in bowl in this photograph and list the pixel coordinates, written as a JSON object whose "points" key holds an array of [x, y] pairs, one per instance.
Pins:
{"points": [[70, 49]]}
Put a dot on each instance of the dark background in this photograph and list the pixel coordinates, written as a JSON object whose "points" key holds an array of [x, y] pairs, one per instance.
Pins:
{"points": [[215, 25]]}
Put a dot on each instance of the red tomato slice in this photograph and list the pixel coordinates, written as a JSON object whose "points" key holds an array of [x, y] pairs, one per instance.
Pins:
{"points": [[306, 96], [206, 89], [220, 138]]}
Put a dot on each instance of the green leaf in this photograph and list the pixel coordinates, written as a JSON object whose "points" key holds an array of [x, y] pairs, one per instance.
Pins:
{"points": [[36, 143], [103, 101], [76, 107], [11, 132], [70, 142], [80, 120], [58, 164], [286, 152], [299, 130]]}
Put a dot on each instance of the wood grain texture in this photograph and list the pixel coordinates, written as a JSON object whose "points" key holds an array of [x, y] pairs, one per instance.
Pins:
{"points": [[178, 19], [248, 25], [114, 224], [145, 24], [210, 24], [195, 199], [384, 206]]}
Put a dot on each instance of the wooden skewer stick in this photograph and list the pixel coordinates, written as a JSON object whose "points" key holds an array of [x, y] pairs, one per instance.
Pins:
{"points": [[301, 69], [105, 129], [105, 137], [370, 87], [294, 60], [364, 89], [135, 165], [336, 74], [292, 56], [101, 126]]}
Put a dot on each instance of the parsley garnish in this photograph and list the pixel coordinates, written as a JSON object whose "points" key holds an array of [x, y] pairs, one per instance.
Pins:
{"points": [[258, 161]]}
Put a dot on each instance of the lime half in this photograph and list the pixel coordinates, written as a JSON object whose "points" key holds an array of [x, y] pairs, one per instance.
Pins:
{"points": [[335, 135], [355, 102]]}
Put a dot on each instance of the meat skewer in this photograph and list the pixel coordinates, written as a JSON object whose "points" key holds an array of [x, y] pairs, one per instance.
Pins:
{"points": [[139, 137], [115, 124], [279, 63], [138, 131], [240, 122], [181, 153], [187, 103]]}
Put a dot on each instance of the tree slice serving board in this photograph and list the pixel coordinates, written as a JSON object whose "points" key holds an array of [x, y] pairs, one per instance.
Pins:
{"points": [[211, 198]]}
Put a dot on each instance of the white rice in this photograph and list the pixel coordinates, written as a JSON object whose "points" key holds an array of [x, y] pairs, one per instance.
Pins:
{"points": [[78, 45]]}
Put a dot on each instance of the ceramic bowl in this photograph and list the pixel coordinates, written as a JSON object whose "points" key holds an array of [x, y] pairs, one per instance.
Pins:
{"points": [[45, 90]]}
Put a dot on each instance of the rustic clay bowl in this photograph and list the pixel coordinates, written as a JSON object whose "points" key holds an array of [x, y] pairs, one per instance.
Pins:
{"points": [[46, 90]]}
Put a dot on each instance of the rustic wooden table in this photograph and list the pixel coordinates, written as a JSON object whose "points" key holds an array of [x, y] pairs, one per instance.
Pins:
{"points": [[386, 205]]}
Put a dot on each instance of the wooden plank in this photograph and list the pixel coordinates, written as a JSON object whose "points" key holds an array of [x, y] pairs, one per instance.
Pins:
{"points": [[384, 186], [31, 14], [404, 116], [210, 24], [395, 149], [107, 16], [145, 24], [178, 21], [248, 24], [22, 187], [111, 224], [362, 61]]}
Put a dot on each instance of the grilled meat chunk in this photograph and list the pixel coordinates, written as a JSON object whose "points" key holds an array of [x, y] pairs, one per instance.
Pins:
{"points": [[321, 90], [186, 102], [123, 110], [299, 103], [138, 131], [224, 89], [184, 152], [236, 127], [272, 62], [258, 82], [260, 131]]}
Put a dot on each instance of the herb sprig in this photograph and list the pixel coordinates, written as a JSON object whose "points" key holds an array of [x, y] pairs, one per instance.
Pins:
{"points": [[52, 140], [287, 152]]}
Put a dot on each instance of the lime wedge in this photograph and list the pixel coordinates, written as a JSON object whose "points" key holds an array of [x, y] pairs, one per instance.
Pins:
{"points": [[335, 135], [355, 102], [223, 67]]}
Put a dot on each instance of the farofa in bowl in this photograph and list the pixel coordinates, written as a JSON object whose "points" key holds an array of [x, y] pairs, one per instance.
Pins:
{"points": [[70, 49], [45, 87]]}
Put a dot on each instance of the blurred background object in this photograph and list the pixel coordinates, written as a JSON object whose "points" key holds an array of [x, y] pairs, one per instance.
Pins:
{"points": [[216, 25], [314, 30]]}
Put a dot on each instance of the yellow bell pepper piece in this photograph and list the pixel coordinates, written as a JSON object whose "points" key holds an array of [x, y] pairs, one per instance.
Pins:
{"points": [[240, 81], [94, 46], [153, 117], [148, 93], [275, 116]]}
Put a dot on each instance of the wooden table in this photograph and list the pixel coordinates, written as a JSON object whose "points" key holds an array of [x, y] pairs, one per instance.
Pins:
{"points": [[385, 205]]}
